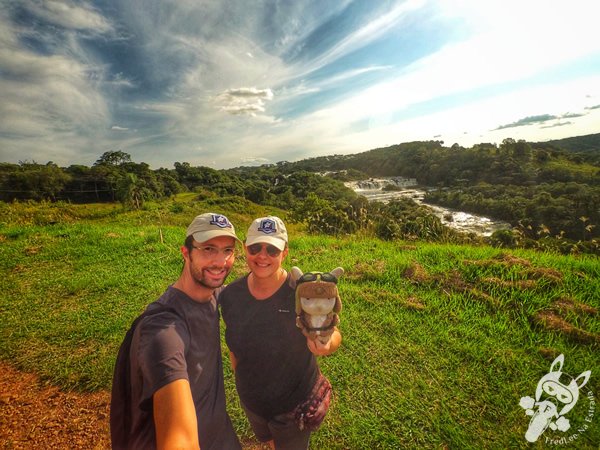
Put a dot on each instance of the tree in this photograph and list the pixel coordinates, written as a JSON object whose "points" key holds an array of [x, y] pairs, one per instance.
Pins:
{"points": [[133, 191], [522, 150], [37, 181], [322, 217], [113, 158]]}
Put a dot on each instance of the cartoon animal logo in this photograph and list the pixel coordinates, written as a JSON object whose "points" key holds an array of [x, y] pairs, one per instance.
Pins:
{"points": [[553, 399]]}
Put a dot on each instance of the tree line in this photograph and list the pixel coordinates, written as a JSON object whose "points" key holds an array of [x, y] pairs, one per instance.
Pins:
{"points": [[550, 196]]}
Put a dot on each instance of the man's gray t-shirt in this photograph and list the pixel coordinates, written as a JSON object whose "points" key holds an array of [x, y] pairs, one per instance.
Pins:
{"points": [[184, 344]]}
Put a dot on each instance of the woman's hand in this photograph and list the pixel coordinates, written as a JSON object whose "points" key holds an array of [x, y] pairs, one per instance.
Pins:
{"points": [[319, 348]]}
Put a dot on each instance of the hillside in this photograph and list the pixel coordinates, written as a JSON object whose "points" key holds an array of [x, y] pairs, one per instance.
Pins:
{"points": [[587, 144], [440, 341], [432, 163]]}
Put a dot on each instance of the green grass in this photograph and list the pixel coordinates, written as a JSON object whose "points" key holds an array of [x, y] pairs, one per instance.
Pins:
{"points": [[440, 341]]}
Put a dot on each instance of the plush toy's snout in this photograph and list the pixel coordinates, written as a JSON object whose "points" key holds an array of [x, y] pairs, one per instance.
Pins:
{"points": [[317, 303]]}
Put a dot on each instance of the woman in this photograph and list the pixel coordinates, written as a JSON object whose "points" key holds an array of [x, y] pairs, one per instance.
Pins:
{"points": [[276, 371]]}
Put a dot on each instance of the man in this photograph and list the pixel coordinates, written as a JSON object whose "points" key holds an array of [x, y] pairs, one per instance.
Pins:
{"points": [[171, 394]]}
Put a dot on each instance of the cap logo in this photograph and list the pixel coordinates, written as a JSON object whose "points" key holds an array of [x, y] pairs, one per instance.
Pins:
{"points": [[267, 226], [220, 221]]}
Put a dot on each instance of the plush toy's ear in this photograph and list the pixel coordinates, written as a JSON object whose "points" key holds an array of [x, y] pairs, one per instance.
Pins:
{"points": [[338, 304], [296, 273], [337, 272]]}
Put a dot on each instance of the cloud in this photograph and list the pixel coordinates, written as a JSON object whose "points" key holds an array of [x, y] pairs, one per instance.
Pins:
{"points": [[250, 93], [363, 35], [117, 128], [593, 107], [349, 74], [48, 93], [528, 121], [558, 124], [245, 100], [69, 15], [254, 160], [532, 120], [51, 103]]}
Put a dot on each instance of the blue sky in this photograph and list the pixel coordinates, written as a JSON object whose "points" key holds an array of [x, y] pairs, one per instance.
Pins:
{"points": [[228, 83]]}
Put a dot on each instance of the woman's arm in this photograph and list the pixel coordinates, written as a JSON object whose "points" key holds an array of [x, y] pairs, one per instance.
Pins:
{"points": [[233, 360]]}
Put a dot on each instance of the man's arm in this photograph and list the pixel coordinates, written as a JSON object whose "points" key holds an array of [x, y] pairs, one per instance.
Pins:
{"points": [[320, 349], [175, 417]]}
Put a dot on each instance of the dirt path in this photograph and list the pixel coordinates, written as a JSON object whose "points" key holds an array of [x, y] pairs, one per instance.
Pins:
{"points": [[35, 416], [42, 417]]}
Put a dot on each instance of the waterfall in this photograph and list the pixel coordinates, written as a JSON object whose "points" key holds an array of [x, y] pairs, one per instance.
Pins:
{"points": [[372, 189], [380, 183]]}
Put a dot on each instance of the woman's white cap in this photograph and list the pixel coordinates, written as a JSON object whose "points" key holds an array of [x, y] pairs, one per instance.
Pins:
{"points": [[267, 230]]}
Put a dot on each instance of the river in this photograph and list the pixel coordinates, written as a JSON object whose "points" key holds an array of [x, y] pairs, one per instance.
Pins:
{"points": [[372, 189]]}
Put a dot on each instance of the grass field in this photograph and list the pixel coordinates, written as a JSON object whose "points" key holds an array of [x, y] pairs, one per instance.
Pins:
{"points": [[440, 341]]}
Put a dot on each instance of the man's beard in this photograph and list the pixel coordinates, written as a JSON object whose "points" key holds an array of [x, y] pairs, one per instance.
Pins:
{"points": [[206, 281], [212, 284]]}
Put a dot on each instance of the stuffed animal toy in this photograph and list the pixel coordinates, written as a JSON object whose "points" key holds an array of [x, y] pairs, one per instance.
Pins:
{"points": [[318, 302]]}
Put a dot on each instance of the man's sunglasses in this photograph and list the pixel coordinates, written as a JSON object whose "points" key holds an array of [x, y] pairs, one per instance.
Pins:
{"points": [[314, 276], [255, 249]]}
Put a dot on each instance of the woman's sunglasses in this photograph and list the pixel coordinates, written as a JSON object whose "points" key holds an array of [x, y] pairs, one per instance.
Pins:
{"points": [[255, 249], [314, 276]]}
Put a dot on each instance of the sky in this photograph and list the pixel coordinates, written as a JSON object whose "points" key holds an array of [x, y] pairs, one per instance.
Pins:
{"points": [[229, 83]]}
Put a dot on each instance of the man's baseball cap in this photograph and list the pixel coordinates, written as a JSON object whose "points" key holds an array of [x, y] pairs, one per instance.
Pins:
{"points": [[210, 225], [268, 230]]}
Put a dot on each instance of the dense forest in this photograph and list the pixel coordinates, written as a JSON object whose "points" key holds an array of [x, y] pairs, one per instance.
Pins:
{"points": [[544, 192], [588, 145], [549, 192]]}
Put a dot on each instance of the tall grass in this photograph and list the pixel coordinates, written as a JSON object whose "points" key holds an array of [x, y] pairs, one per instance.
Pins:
{"points": [[440, 341]]}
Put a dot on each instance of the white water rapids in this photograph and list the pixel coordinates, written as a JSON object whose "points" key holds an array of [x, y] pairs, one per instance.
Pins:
{"points": [[372, 189]]}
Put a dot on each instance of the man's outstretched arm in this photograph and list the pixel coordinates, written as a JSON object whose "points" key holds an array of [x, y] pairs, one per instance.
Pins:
{"points": [[175, 417]]}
